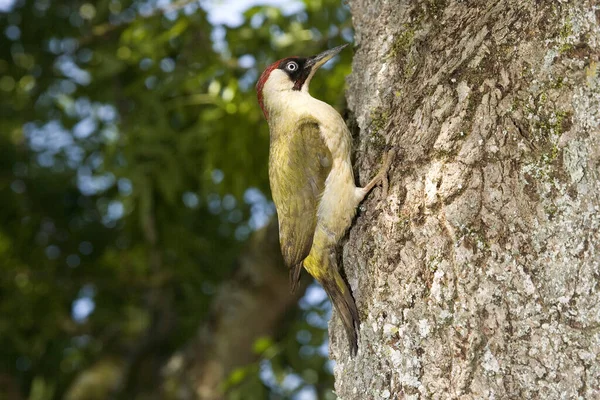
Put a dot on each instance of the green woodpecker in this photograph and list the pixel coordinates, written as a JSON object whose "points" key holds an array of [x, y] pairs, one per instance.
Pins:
{"points": [[311, 177]]}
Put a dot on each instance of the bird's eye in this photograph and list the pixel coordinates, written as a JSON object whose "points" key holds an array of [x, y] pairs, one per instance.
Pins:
{"points": [[291, 66]]}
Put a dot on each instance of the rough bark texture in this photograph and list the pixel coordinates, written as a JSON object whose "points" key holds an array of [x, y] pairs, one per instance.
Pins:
{"points": [[477, 277]]}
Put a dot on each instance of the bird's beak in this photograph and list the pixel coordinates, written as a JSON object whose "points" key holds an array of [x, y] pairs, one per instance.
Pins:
{"points": [[313, 63]]}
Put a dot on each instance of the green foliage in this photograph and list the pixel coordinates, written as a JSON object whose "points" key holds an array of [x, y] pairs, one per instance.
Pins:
{"points": [[134, 156], [296, 362]]}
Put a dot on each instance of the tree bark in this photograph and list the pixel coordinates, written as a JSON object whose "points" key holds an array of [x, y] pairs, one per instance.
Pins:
{"points": [[477, 276]]}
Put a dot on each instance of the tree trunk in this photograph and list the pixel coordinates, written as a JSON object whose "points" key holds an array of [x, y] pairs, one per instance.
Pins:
{"points": [[477, 276]]}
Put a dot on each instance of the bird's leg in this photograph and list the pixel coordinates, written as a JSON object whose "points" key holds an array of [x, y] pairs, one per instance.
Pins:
{"points": [[381, 177]]}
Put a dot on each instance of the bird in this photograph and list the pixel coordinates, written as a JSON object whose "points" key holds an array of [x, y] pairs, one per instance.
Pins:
{"points": [[311, 178]]}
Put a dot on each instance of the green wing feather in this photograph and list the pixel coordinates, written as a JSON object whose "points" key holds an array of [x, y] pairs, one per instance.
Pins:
{"points": [[299, 163]]}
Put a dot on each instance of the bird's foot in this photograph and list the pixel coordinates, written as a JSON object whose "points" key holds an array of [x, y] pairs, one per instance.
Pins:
{"points": [[382, 176]]}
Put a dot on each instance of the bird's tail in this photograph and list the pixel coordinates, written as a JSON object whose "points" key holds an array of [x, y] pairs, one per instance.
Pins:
{"points": [[326, 273]]}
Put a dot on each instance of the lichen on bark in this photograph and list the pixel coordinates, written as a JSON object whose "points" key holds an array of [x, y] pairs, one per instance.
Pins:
{"points": [[477, 276]]}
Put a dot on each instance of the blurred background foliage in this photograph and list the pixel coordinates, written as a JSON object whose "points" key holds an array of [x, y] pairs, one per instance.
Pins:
{"points": [[133, 170]]}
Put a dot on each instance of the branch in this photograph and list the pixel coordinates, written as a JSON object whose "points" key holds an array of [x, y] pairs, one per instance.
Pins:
{"points": [[246, 308]]}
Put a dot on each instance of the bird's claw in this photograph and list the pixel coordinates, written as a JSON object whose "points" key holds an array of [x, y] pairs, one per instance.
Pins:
{"points": [[382, 176]]}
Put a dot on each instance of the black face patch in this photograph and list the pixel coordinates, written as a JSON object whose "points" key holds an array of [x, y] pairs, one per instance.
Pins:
{"points": [[296, 69]]}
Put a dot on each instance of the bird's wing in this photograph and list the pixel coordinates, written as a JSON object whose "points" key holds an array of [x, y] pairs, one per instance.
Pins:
{"points": [[299, 165]]}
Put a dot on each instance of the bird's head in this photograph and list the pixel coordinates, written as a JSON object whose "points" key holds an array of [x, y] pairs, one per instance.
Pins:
{"points": [[290, 74]]}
